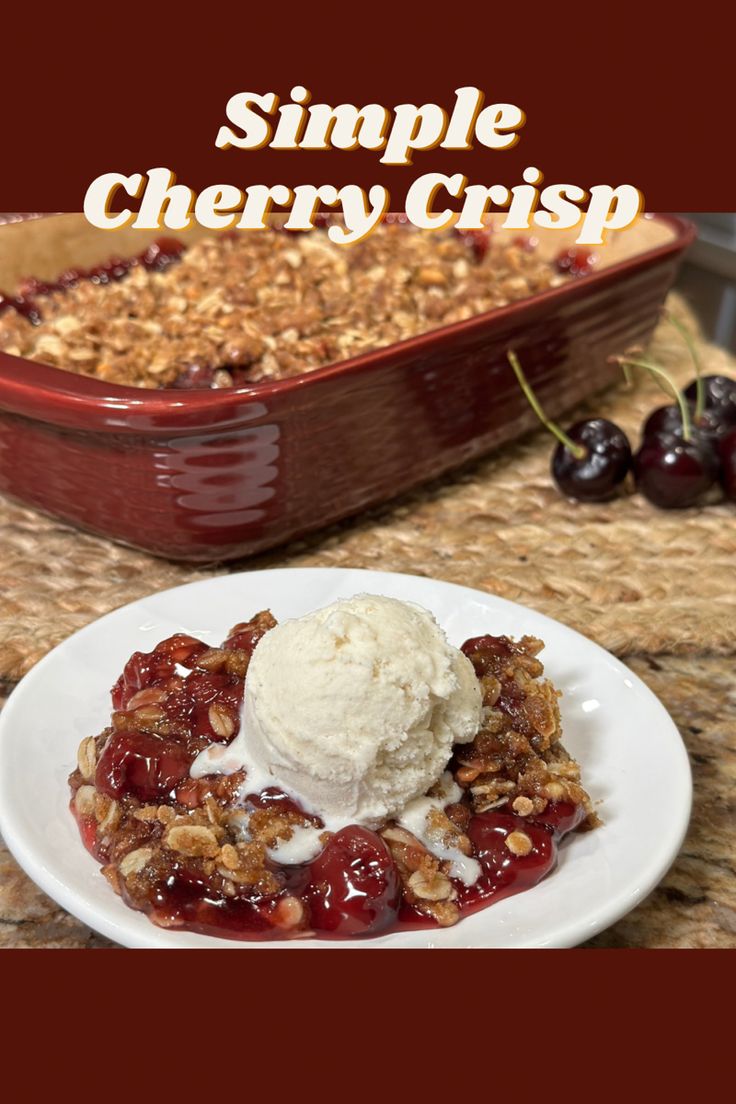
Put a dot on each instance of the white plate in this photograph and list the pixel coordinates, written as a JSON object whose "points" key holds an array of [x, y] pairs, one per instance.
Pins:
{"points": [[633, 759]]}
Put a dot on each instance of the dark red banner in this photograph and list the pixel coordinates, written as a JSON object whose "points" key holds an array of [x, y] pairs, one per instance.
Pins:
{"points": [[371, 1025], [609, 102]]}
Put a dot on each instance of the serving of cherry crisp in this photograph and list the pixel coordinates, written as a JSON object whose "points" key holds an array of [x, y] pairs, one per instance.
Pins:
{"points": [[197, 854]]}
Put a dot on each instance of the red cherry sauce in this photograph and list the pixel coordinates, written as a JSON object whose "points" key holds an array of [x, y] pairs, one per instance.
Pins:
{"points": [[477, 241], [503, 872], [245, 638], [22, 305], [151, 766], [352, 888], [142, 764], [577, 261], [158, 257], [87, 829], [186, 900]]}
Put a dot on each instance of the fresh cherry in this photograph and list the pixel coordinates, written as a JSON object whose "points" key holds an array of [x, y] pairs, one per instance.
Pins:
{"points": [[665, 419], [596, 472], [727, 455], [354, 885], [668, 419], [674, 473], [592, 459], [142, 764], [577, 261], [719, 397]]}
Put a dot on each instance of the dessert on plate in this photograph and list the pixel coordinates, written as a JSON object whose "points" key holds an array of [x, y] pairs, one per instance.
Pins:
{"points": [[347, 773]]}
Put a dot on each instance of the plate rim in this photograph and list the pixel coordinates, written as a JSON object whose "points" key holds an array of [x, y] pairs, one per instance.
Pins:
{"points": [[567, 935]]}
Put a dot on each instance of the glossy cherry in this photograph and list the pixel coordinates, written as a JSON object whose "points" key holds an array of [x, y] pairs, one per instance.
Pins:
{"points": [[668, 419], [673, 473], [501, 867], [592, 458], [719, 397], [145, 669], [142, 764], [245, 637], [604, 461], [559, 817], [354, 885]]}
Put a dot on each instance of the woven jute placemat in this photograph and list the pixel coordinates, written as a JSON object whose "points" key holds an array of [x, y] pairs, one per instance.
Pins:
{"points": [[633, 578]]}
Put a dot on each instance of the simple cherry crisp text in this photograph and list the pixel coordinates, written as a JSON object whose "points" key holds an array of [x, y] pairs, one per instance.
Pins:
{"points": [[256, 120]]}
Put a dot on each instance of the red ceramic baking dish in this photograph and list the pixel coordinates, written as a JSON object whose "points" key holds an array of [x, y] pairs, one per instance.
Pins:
{"points": [[216, 475]]}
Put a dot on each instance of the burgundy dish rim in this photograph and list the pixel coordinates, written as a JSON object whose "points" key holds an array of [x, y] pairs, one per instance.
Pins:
{"points": [[54, 395]]}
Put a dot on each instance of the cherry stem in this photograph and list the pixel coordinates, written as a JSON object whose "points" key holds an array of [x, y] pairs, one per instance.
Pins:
{"points": [[699, 387], [668, 387], [578, 451]]}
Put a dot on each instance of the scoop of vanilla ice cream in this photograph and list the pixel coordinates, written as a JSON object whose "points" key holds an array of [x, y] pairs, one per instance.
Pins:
{"points": [[355, 707]]}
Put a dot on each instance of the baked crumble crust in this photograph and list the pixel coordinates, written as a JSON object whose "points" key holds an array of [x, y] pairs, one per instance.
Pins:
{"points": [[269, 305]]}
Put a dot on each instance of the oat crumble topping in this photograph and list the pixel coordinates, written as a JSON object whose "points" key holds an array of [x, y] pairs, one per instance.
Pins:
{"points": [[242, 308]]}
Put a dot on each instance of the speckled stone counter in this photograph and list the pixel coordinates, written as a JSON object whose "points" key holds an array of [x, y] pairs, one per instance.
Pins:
{"points": [[655, 588]]}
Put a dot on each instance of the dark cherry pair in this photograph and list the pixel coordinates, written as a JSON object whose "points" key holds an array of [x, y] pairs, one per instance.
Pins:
{"points": [[670, 470], [674, 471]]}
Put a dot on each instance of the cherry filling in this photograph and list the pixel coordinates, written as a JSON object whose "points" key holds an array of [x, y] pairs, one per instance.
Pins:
{"points": [[478, 241], [153, 670], [186, 899], [577, 261], [245, 637], [21, 305], [157, 258], [142, 764], [506, 871], [508, 866], [354, 886], [163, 717]]}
